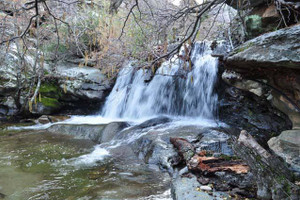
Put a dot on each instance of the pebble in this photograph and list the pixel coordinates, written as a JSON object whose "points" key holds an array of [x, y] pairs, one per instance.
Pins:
{"points": [[205, 188]]}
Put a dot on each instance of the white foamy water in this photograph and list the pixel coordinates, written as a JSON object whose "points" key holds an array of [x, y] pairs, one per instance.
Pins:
{"points": [[172, 91], [185, 95], [90, 159]]}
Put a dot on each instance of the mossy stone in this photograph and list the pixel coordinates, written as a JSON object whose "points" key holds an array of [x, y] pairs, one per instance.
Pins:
{"points": [[254, 25], [50, 90], [50, 102]]}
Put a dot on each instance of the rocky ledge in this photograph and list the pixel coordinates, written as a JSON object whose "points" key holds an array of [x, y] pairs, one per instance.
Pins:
{"points": [[268, 68], [275, 49], [65, 88]]}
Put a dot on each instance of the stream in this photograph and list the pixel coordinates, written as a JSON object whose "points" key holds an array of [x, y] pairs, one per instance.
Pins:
{"points": [[93, 157]]}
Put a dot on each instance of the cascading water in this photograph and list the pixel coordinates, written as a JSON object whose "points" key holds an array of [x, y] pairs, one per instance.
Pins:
{"points": [[172, 91]]}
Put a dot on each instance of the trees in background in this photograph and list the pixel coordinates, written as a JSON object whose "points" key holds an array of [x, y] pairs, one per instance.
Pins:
{"points": [[103, 33]]}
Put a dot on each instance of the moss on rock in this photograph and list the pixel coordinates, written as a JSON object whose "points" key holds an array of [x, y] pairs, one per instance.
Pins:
{"points": [[50, 102], [50, 90]]}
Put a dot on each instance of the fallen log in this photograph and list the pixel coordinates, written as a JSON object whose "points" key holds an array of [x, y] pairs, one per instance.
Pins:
{"points": [[213, 164], [202, 163]]}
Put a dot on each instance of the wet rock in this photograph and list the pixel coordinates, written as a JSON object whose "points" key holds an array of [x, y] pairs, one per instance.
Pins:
{"points": [[245, 110], [185, 149], [111, 130], [56, 118], [154, 149], [183, 171], [203, 181], [184, 188], [205, 188], [45, 119], [2, 196], [238, 191], [82, 131], [243, 181], [154, 122], [222, 187], [154, 146]]}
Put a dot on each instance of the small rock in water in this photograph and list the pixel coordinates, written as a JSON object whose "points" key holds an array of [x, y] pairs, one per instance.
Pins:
{"points": [[222, 187], [205, 188], [203, 181], [2, 196], [183, 171]]}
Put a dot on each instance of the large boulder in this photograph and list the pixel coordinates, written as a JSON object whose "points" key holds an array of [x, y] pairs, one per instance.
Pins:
{"points": [[287, 146], [68, 89], [268, 66], [111, 130], [80, 131], [188, 188], [276, 49], [85, 83]]}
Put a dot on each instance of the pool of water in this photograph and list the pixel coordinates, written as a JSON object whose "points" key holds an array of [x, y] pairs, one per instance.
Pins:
{"points": [[35, 164]]}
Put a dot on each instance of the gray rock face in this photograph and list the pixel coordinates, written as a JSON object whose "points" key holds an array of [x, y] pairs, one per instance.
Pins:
{"points": [[236, 80], [154, 122], [276, 49], [82, 131], [184, 188], [246, 110], [287, 146], [111, 130], [83, 82], [78, 89]]}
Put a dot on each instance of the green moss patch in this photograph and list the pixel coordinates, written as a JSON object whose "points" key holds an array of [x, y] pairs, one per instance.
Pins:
{"points": [[50, 90], [50, 102]]}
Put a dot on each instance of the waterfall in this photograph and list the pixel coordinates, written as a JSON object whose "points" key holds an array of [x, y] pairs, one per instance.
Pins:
{"points": [[172, 91]]}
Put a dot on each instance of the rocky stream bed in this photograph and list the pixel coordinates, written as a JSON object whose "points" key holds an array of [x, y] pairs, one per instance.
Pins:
{"points": [[161, 158]]}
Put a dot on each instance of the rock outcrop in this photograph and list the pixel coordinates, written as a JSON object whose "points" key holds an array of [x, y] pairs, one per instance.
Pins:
{"points": [[68, 89], [275, 49], [268, 67]]}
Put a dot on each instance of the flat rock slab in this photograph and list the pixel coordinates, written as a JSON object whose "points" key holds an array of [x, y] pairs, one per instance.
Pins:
{"points": [[184, 188], [275, 49], [80, 131]]}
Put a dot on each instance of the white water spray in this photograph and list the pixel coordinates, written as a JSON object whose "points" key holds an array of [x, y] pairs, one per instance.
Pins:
{"points": [[172, 91]]}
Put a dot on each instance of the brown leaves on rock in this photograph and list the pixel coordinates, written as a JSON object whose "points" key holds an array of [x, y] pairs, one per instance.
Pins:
{"points": [[202, 163], [213, 164]]}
